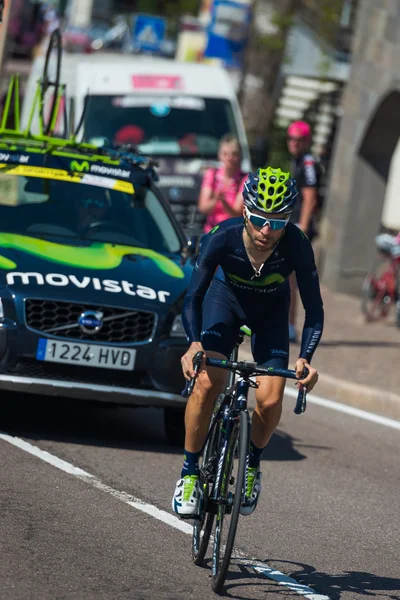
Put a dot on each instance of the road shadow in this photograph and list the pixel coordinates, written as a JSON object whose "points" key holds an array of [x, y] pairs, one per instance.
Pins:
{"points": [[359, 583], [86, 423], [356, 582]]}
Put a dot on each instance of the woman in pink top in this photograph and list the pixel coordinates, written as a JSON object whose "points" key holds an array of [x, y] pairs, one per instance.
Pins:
{"points": [[221, 191]]}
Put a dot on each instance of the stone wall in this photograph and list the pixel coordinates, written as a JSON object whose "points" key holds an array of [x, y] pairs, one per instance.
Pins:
{"points": [[367, 136]]}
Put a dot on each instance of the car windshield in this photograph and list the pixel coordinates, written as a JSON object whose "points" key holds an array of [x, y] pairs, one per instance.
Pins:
{"points": [[48, 208], [158, 125]]}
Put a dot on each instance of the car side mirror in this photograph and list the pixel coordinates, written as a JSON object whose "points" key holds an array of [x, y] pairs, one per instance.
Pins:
{"points": [[192, 248]]}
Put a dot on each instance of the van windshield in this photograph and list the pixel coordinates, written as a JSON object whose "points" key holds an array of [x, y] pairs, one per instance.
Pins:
{"points": [[160, 125]]}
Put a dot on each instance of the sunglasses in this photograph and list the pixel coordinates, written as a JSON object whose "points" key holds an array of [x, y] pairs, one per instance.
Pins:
{"points": [[87, 202], [260, 222]]}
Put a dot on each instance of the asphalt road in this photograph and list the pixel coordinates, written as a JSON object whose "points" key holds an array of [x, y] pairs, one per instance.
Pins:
{"points": [[328, 516]]}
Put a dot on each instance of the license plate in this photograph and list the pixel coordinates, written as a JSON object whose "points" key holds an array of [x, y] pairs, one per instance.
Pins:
{"points": [[86, 355]]}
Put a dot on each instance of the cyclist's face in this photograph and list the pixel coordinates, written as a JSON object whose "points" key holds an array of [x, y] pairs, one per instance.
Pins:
{"points": [[264, 238]]}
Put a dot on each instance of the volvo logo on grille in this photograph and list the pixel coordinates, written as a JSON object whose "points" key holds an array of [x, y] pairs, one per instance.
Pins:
{"points": [[91, 321]]}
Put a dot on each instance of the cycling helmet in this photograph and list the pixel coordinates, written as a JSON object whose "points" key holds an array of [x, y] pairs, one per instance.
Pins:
{"points": [[299, 129], [270, 190]]}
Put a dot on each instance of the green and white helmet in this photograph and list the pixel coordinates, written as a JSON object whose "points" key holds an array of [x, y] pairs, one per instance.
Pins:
{"points": [[270, 190]]}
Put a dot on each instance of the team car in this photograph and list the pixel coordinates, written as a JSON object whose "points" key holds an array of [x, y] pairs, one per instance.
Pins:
{"points": [[93, 271]]}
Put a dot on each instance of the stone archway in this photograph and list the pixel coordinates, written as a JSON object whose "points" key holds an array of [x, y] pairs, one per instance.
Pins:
{"points": [[369, 171]]}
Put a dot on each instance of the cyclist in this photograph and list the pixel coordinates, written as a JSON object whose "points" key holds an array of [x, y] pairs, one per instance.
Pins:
{"points": [[241, 277]]}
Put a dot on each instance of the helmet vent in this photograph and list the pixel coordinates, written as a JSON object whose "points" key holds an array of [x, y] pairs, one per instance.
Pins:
{"points": [[261, 195], [272, 179], [271, 191], [280, 189], [262, 186]]}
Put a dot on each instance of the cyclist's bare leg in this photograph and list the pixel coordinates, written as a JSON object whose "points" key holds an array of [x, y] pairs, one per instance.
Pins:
{"points": [[210, 382], [266, 416]]}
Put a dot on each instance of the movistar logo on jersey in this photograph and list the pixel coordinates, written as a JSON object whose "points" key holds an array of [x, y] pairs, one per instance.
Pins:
{"points": [[262, 282], [81, 167]]}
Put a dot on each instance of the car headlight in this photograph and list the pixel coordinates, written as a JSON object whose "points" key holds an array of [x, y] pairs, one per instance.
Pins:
{"points": [[177, 329]]}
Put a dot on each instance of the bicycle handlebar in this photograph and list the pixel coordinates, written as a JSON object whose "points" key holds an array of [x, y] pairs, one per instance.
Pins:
{"points": [[248, 368]]}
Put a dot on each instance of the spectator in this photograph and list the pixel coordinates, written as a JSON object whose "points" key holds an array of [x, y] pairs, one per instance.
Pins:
{"points": [[221, 191], [307, 173]]}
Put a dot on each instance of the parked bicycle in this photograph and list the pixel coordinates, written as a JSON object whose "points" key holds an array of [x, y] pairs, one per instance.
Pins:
{"points": [[225, 453], [381, 287]]}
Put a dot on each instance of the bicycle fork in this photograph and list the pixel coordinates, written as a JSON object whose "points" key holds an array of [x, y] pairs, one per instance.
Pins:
{"points": [[230, 420]]}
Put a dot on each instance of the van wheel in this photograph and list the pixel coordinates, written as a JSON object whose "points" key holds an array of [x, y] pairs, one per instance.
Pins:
{"points": [[174, 425]]}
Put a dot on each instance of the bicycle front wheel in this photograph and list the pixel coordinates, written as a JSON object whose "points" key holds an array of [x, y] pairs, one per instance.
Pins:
{"points": [[231, 490], [202, 527]]}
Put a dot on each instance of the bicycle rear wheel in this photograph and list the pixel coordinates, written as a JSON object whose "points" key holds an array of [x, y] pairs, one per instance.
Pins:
{"points": [[377, 294], [50, 82], [231, 493], [202, 527]]}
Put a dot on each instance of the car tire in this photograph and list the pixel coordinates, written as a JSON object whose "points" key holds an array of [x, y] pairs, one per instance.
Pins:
{"points": [[174, 426]]}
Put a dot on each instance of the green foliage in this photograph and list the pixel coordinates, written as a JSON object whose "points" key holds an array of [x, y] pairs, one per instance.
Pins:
{"points": [[275, 41], [168, 8], [171, 9], [147, 6], [278, 155]]}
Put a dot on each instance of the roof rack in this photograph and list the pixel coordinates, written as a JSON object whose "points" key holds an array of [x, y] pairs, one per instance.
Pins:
{"points": [[45, 141]]}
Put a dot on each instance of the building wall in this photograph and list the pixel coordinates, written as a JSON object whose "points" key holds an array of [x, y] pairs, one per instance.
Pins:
{"points": [[366, 140]]}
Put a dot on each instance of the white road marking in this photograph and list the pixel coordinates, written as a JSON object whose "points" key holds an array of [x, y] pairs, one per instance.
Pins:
{"points": [[67, 467], [156, 513], [350, 410], [287, 581], [46, 456]]}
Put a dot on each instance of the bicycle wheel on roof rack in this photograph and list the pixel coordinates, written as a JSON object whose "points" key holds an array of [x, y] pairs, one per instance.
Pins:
{"points": [[50, 83]]}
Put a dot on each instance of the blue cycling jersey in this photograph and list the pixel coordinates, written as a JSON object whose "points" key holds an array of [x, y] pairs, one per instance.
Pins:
{"points": [[223, 263]]}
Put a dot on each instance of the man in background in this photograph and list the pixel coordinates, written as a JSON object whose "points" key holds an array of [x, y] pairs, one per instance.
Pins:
{"points": [[307, 172]]}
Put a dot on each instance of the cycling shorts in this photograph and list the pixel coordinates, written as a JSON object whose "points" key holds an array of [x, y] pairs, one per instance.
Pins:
{"points": [[222, 317]]}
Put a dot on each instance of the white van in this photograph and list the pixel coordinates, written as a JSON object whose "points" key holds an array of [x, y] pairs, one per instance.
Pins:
{"points": [[175, 112]]}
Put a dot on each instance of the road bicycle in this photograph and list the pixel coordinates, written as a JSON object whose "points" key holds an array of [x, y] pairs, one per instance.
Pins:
{"points": [[380, 291], [224, 458]]}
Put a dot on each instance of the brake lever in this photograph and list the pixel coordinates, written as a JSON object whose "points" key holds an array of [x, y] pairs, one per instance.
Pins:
{"points": [[301, 402], [187, 391]]}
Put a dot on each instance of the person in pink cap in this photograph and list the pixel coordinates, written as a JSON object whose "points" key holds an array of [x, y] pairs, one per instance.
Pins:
{"points": [[307, 172], [221, 190]]}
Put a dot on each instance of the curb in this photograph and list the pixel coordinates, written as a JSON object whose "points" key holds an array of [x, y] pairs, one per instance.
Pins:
{"points": [[359, 396]]}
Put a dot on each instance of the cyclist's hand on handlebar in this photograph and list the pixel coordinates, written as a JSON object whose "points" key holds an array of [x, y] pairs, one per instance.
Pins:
{"points": [[311, 379], [187, 359]]}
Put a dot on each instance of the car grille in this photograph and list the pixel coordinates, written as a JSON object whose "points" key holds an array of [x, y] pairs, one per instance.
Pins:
{"points": [[72, 374], [60, 319]]}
